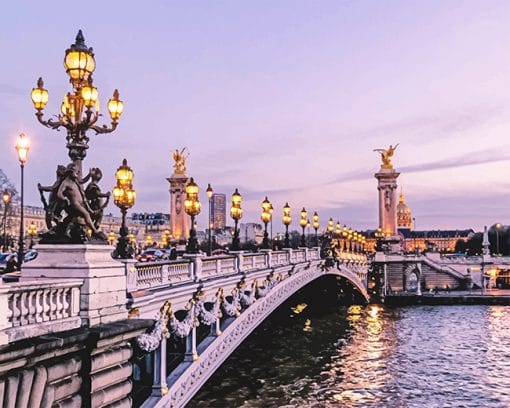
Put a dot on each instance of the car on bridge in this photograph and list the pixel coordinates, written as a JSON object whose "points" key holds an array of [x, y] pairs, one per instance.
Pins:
{"points": [[150, 255]]}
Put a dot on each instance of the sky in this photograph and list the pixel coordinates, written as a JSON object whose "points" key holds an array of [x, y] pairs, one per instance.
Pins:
{"points": [[280, 98]]}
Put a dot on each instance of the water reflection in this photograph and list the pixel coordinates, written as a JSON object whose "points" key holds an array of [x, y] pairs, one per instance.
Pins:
{"points": [[370, 356]]}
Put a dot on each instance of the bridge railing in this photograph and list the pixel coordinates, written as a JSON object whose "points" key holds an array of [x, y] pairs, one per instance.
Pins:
{"points": [[154, 274], [252, 262], [30, 309], [163, 273]]}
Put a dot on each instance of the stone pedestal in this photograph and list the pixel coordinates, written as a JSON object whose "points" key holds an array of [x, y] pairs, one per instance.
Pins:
{"points": [[103, 293], [179, 220], [387, 186]]}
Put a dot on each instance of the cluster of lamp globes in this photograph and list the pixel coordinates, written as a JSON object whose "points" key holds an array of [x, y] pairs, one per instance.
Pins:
{"points": [[80, 108], [345, 232]]}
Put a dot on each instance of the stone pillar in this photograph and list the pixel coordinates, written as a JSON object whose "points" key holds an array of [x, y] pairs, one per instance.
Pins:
{"points": [[103, 293], [387, 186], [179, 220]]}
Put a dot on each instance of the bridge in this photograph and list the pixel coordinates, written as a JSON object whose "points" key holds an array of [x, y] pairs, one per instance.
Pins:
{"points": [[203, 306]]}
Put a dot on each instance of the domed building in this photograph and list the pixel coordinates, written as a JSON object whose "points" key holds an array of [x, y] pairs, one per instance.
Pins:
{"points": [[404, 217]]}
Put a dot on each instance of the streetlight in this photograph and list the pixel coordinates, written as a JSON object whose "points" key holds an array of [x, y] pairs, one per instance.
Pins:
{"points": [[124, 197], [236, 213], [266, 217], [315, 224], [286, 221], [22, 147], [498, 226], [303, 221], [209, 192], [271, 210], [32, 231], [379, 234], [79, 113], [6, 198], [192, 206], [331, 226], [111, 237], [80, 108], [148, 240]]}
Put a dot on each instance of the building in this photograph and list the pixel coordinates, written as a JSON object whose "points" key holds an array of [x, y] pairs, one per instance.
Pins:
{"points": [[218, 211], [404, 218], [251, 232]]}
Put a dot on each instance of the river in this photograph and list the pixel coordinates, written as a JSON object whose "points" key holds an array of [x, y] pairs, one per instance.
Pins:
{"points": [[314, 355]]}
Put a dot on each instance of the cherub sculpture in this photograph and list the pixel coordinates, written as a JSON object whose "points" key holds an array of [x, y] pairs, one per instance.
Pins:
{"points": [[386, 155]]}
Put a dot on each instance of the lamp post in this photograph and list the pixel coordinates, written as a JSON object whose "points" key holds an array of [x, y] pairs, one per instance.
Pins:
{"points": [[266, 217], [379, 234], [498, 226], [6, 198], [286, 221], [236, 212], [271, 210], [80, 108], [32, 231], [331, 227], [22, 147], [124, 197], [209, 192], [192, 206], [315, 219], [303, 221]]}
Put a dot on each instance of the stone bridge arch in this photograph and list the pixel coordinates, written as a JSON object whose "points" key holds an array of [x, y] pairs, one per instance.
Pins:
{"points": [[188, 378]]}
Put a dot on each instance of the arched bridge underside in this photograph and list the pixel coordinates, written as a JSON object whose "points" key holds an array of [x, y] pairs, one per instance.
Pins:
{"points": [[185, 381]]}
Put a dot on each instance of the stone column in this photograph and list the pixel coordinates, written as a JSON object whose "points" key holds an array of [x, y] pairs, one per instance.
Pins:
{"points": [[179, 220], [387, 186]]}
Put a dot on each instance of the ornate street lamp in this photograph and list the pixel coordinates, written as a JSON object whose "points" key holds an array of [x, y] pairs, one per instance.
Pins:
{"points": [[236, 213], [148, 240], [80, 108], [303, 221], [6, 198], [266, 217], [124, 197], [192, 206], [79, 113], [271, 210], [330, 227], [32, 231], [286, 221], [379, 235], [22, 147], [315, 219], [209, 192]]}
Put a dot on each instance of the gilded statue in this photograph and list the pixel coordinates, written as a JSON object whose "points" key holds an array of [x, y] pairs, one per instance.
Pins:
{"points": [[386, 155], [180, 160]]}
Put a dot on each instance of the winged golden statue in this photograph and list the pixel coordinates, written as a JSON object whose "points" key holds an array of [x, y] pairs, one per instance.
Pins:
{"points": [[180, 160], [386, 155]]}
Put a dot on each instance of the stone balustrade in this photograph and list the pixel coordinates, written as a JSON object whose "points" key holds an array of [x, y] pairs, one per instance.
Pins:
{"points": [[30, 309], [156, 274]]}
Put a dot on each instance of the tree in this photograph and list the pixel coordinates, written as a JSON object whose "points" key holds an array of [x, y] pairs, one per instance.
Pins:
{"points": [[7, 184]]}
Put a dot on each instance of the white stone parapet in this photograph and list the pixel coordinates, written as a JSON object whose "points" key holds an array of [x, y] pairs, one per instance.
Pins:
{"points": [[35, 308]]}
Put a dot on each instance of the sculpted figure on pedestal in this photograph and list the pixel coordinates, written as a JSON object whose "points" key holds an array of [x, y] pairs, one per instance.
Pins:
{"points": [[180, 160], [386, 155]]}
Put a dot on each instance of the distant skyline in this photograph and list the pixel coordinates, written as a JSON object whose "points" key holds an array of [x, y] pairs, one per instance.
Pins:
{"points": [[280, 98]]}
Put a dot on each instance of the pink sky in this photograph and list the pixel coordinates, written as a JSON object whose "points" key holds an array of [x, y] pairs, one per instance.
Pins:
{"points": [[281, 98]]}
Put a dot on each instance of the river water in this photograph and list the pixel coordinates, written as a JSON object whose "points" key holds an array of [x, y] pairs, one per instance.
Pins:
{"points": [[370, 356]]}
